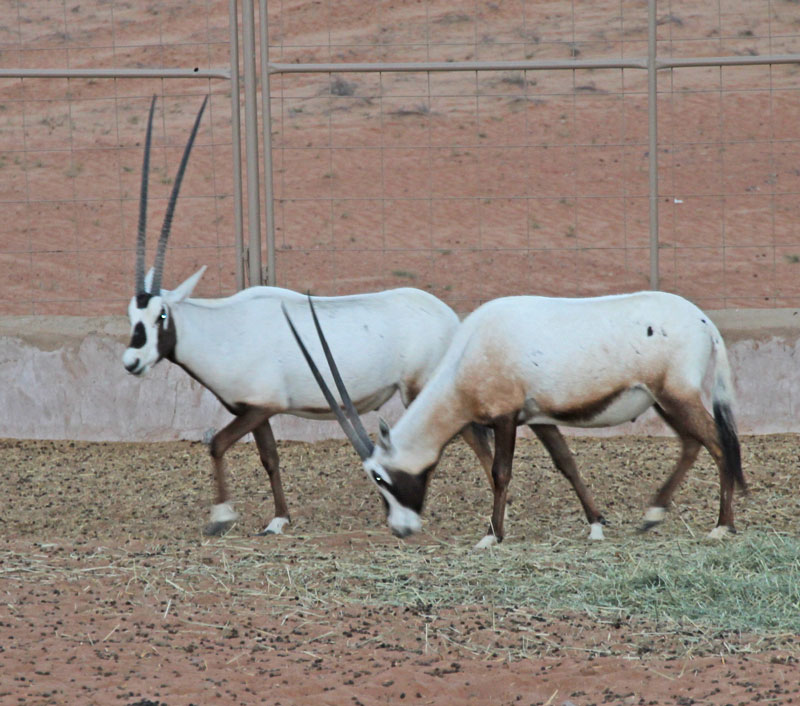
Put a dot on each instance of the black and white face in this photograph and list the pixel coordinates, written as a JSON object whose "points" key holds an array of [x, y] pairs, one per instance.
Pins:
{"points": [[403, 495], [152, 333], [153, 330]]}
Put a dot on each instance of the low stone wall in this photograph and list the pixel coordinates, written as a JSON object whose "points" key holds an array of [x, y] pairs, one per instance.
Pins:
{"points": [[62, 378]]}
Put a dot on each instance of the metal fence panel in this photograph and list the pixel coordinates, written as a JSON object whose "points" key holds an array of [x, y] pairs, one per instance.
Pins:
{"points": [[70, 149], [486, 180], [469, 183]]}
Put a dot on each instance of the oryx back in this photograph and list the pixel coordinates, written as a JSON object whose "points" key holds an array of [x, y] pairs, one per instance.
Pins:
{"points": [[387, 341], [580, 362]]}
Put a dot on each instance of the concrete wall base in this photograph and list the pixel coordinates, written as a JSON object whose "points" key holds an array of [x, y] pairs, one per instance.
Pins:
{"points": [[62, 378]]}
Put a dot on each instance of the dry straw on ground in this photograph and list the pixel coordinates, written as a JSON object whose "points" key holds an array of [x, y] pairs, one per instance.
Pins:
{"points": [[129, 516]]}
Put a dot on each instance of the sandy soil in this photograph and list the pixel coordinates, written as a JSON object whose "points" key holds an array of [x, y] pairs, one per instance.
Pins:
{"points": [[110, 594]]}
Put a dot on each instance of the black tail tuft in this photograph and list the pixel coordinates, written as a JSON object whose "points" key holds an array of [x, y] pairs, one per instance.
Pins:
{"points": [[729, 441]]}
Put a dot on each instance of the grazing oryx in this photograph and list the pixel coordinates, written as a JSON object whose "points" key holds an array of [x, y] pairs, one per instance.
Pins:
{"points": [[241, 350], [539, 361]]}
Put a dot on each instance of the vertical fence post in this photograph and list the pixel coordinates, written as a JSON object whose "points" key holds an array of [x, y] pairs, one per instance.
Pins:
{"points": [[251, 143], [236, 143], [652, 132], [266, 122]]}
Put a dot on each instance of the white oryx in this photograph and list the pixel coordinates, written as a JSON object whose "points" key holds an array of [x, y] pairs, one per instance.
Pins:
{"points": [[540, 361], [241, 350]]}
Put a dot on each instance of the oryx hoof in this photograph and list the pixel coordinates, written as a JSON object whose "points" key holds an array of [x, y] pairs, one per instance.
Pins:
{"points": [[654, 516], [721, 532], [274, 527], [596, 531], [217, 529], [489, 540], [222, 518]]}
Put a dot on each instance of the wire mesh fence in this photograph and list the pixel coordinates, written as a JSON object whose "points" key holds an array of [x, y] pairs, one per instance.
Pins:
{"points": [[71, 151], [471, 185], [476, 185]]}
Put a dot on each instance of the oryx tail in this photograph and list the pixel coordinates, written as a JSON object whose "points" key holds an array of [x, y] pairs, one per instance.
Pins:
{"points": [[722, 404]]}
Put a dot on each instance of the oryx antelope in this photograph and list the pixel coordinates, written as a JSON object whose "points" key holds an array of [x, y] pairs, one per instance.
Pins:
{"points": [[540, 361], [241, 350]]}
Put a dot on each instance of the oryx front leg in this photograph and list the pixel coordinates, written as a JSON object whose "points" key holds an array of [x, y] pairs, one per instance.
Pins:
{"points": [[268, 451], [505, 436], [223, 514]]}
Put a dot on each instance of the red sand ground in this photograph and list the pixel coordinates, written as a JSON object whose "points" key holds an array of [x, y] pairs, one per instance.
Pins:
{"points": [[105, 599]]}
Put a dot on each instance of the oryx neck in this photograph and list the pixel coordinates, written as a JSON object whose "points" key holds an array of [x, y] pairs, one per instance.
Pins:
{"points": [[423, 431], [204, 338]]}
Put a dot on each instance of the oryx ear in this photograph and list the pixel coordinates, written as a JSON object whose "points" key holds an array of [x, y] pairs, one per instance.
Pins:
{"points": [[384, 435], [184, 289], [148, 280]]}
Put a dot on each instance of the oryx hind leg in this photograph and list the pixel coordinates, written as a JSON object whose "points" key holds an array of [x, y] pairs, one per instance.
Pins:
{"points": [[695, 428], [505, 436], [222, 514], [268, 451], [478, 438], [553, 440]]}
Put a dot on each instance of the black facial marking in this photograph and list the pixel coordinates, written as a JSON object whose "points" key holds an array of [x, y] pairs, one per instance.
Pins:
{"points": [[649, 330], [167, 336], [142, 299], [139, 338], [408, 489]]}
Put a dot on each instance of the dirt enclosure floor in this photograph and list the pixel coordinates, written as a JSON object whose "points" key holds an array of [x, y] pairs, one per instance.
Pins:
{"points": [[110, 594]]}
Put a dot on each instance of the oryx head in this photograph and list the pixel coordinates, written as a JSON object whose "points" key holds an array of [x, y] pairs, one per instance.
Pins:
{"points": [[153, 333], [402, 492]]}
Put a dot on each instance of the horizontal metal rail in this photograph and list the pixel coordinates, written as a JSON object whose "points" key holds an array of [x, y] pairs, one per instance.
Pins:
{"points": [[538, 65], [422, 66], [116, 73], [412, 66], [728, 61]]}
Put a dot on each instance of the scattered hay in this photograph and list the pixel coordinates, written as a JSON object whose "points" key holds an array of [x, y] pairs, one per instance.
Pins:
{"points": [[127, 517]]}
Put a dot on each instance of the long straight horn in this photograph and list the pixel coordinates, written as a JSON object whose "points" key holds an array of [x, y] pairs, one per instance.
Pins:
{"points": [[349, 407], [363, 446], [173, 198], [141, 236]]}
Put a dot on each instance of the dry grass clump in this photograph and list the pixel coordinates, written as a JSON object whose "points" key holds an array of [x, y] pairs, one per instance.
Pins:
{"points": [[708, 597]]}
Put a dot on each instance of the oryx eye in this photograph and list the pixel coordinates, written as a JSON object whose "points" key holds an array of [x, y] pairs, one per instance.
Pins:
{"points": [[379, 479], [163, 314]]}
